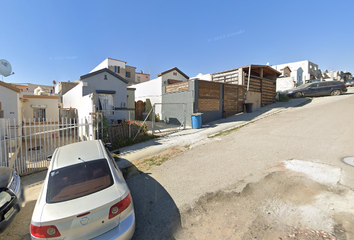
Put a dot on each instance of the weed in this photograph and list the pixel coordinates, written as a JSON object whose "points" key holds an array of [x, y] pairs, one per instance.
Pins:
{"points": [[226, 132]]}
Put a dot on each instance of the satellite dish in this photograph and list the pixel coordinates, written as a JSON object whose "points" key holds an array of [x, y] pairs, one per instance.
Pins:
{"points": [[5, 68]]}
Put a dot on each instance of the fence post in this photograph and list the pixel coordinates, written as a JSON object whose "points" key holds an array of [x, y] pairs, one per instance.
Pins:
{"points": [[101, 117], [185, 115], [153, 118], [130, 134]]}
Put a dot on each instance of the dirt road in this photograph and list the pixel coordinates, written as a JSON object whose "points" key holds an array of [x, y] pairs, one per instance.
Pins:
{"points": [[284, 205], [236, 186]]}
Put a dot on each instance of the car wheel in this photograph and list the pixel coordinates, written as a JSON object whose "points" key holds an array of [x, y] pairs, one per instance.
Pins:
{"points": [[335, 93], [298, 95]]}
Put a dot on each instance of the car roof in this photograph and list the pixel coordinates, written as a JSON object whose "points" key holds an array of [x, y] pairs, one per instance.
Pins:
{"points": [[76, 153]]}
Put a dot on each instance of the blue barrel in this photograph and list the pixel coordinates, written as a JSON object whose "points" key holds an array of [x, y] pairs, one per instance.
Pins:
{"points": [[197, 120]]}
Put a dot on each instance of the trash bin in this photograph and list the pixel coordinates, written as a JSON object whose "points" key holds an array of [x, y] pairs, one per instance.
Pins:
{"points": [[197, 120], [248, 107]]}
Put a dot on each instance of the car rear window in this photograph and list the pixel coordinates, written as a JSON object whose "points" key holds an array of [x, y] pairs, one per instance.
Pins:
{"points": [[78, 180]]}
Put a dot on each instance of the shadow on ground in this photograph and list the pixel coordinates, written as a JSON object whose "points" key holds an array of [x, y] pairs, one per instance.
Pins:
{"points": [[20, 226], [257, 114], [157, 216]]}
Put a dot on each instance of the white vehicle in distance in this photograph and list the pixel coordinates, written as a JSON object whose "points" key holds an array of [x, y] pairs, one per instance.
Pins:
{"points": [[84, 196]]}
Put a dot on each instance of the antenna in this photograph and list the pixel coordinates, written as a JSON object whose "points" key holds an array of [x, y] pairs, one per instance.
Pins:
{"points": [[5, 68]]}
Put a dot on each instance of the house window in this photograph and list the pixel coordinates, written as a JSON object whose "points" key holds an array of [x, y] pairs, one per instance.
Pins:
{"points": [[116, 69], [39, 114], [138, 79], [127, 74], [106, 103], [175, 73]]}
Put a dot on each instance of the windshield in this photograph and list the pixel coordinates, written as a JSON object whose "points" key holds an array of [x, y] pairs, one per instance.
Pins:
{"points": [[304, 86], [78, 180]]}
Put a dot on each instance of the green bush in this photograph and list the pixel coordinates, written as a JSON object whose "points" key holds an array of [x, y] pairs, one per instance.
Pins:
{"points": [[283, 97]]}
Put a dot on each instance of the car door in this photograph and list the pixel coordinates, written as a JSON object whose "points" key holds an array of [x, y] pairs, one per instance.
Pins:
{"points": [[311, 90], [324, 88]]}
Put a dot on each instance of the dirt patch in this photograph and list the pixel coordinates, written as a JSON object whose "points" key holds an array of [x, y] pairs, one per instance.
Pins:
{"points": [[146, 163], [284, 205]]}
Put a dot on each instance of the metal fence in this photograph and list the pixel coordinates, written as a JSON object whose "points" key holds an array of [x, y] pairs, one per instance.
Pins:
{"points": [[25, 145], [172, 119]]}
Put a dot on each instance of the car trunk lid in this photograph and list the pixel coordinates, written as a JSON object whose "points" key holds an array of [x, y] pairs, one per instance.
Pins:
{"points": [[83, 218]]}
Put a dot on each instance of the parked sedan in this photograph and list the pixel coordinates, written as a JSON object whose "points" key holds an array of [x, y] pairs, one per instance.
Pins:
{"points": [[349, 83], [84, 196], [11, 196], [317, 89]]}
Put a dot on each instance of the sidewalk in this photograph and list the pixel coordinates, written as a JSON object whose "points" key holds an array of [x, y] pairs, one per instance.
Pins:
{"points": [[191, 136]]}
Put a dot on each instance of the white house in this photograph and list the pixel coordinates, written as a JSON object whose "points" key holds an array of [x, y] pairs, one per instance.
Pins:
{"points": [[9, 101], [119, 67], [100, 91], [153, 89], [301, 71], [39, 106]]}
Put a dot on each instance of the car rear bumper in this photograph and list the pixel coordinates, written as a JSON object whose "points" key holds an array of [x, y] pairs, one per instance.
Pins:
{"points": [[124, 231]]}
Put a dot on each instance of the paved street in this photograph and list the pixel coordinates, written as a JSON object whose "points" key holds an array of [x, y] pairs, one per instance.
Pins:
{"points": [[167, 196]]}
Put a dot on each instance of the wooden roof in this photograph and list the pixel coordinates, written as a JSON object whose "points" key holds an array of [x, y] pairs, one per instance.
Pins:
{"points": [[9, 86]]}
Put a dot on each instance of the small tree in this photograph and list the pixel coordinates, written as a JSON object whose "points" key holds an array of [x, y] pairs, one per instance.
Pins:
{"points": [[148, 107]]}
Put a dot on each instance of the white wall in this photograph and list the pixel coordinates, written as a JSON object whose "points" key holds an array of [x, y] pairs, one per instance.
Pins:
{"points": [[201, 76], [305, 65], [112, 62], [102, 65], [85, 107], [74, 99], [10, 103], [285, 83], [51, 107], [71, 99], [152, 90], [109, 62]]}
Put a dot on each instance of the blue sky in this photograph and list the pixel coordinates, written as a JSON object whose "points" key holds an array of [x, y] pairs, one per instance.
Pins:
{"points": [[46, 40]]}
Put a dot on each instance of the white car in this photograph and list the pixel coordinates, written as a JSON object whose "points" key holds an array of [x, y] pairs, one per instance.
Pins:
{"points": [[84, 196]]}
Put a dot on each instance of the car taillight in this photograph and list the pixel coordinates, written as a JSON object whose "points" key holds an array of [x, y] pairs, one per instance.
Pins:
{"points": [[119, 207], [44, 231]]}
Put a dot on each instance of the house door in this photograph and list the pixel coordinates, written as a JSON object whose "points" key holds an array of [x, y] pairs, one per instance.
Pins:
{"points": [[139, 109]]}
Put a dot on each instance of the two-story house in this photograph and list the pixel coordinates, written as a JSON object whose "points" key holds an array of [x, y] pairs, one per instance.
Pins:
{"points": [[118, 67], [101, 91], [152, 89], [301, 71]]}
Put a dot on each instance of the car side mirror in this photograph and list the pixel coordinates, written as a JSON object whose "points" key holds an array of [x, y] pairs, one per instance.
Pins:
{"points": [[49, 158], [108, 145]]}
